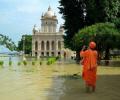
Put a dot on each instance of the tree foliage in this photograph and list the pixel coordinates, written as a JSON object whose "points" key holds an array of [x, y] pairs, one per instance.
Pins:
{"points": [[106, 35], [27, 40], [97, 11], [72, 12], [7, 42], [102, 11]]}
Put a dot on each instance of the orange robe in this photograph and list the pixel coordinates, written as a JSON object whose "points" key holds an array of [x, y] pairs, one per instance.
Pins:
{"points": [[89, 66]]}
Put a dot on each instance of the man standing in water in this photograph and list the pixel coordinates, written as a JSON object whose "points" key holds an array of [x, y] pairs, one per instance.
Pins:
{"points": [[89, 66]]}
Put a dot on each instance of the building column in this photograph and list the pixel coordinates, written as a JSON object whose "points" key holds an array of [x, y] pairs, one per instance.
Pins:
{"points": [[39, 48], [56, 48], [62, 46], [56, 45], [45, 47], [33, 53], [38, 55], [33, 48], [39, 45], [50, 45]]}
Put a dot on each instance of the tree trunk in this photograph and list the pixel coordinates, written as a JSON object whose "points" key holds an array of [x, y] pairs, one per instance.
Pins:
{"points": [[77, 57], [99, 58], [107, 56]]}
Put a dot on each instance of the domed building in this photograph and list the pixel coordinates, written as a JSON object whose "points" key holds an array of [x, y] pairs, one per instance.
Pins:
{"points": [[47, 41]]}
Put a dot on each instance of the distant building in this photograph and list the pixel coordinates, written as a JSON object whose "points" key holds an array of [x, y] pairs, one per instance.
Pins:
{"points": [[46, 41]]}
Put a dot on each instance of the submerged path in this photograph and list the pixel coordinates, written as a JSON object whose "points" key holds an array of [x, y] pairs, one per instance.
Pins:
{"points": [[56, 82]]}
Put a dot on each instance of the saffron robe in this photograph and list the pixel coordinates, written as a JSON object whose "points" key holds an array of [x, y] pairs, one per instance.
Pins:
{"points": [[89, 66]]}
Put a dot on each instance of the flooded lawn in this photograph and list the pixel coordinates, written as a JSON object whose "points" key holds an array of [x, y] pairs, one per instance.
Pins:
{"points": [[60, 81]]}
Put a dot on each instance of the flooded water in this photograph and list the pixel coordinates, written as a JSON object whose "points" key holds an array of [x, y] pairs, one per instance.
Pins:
{"points": [[43, 82]]}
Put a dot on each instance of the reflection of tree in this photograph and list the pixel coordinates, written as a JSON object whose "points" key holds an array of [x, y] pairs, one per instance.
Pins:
{"points": [[7, 42]]}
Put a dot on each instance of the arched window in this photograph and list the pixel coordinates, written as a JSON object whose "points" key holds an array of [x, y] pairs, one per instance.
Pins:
{"points": [[52, 54], [35, 54], [59, 45], [53, 45], [42, 54], [47, 54], [42, 45], [47, 45], [36, 45], [59, 53]]}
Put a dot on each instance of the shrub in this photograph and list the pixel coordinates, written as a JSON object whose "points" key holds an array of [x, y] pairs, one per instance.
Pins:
{"points": [[25, 62], [57, 58], [51, 61], [19, 63], [33, 62], [48, 62], [40, 63], [10, 63], [1, 63]]}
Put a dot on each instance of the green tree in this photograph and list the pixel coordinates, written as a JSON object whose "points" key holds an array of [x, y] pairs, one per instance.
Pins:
{"points": [[105, 35], [27, 40], [7, 42], [80, 13], [101, 11], [117, 23], [72, 12], [96, 11]]}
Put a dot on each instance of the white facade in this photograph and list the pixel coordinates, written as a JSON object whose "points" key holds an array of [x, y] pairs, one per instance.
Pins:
{"points": [[46, 41]]}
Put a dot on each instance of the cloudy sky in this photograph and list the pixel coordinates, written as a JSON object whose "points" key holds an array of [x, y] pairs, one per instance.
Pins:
{"points": [[17, 17]]}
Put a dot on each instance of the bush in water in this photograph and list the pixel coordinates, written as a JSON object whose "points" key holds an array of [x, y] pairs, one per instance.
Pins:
{"points": [[10, 63], [51, 61], [40, 62], [1, 63], [25, 62], [19, 63], [33, 62]]}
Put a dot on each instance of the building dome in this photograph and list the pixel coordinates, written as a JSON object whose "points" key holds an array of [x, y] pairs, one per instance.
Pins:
{"points": [[49, 13]]}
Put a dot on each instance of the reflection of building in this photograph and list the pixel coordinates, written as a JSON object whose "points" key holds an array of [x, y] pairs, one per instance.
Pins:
{"points": [[47, 42]]}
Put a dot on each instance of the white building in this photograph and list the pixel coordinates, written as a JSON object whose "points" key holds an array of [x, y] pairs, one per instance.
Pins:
{"points": [[46, 41]]}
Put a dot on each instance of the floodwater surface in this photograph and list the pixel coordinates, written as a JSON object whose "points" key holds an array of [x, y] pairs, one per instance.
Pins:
{"points": [[60, 81]]}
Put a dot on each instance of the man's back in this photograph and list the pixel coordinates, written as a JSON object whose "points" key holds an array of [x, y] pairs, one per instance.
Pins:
{"points": [[90, 58]]}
